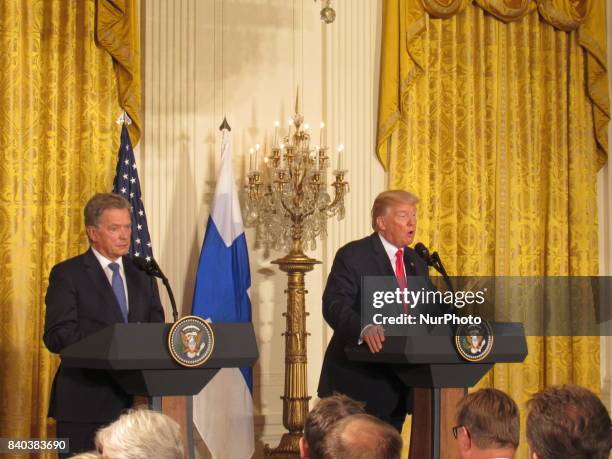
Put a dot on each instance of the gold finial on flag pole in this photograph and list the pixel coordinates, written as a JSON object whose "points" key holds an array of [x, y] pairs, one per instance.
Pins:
{"points": [[225, 125], [124, 119]]}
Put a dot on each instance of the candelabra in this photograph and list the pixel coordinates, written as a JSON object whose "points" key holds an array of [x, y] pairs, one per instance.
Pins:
{"points": [[288, 204]]}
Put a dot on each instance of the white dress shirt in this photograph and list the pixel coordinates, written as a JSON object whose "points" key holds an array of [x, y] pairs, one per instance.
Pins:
{"points": [[104, 262]]}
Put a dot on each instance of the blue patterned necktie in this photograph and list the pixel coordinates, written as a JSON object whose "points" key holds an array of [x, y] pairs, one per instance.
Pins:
{"points": [[119, 290]]}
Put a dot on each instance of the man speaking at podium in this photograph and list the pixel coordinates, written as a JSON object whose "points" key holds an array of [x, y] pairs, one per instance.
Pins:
{"points": [[384, 253], [87, 293]]}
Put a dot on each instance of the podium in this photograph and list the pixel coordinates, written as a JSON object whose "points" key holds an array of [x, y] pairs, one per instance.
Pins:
{"points": [[137, 357], [440, 378]]}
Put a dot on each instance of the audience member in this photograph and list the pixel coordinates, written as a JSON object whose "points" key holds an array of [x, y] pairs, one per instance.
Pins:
{"points": [[488, 426], [321, 419], [140, 434], [568, 422], [362, 436]]}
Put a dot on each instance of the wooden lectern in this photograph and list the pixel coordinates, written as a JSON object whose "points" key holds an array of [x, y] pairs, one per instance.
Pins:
{"points": [[439, 378]]}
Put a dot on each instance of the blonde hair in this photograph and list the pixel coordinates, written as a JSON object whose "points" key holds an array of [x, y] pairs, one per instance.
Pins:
{"points": [[388, 199], [87, 455], [492, 418], [140, 434]]}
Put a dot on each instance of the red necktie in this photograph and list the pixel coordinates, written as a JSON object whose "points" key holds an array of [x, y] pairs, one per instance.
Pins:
{"points": [[400, 274]]}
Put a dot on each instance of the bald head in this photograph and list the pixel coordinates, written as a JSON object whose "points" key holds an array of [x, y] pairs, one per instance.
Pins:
{"points": [[362, 436], [322, 418]]}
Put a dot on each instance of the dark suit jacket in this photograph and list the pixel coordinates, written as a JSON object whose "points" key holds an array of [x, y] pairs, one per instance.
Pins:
{"points": [[373, 384], [80, 301]]}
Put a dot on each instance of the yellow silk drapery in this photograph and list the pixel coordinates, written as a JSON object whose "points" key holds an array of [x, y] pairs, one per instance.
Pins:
{"points": [[118, 32], [58, 106], [495, 113]]}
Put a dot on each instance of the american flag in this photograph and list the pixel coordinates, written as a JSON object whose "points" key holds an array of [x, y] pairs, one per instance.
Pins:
{"points": [[127, 184]]}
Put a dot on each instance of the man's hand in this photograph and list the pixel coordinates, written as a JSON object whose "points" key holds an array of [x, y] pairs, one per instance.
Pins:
{"points": [[374, 337]]}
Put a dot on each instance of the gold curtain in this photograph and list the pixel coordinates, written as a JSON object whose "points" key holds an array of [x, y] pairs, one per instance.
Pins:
{"points": [[118, 32], [58, 106], [495, 113]]}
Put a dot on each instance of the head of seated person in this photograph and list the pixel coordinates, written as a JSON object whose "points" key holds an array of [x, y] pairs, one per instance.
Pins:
{"points": [[321, 419], [487, 426], [361, 436], [140, 434], [568, 422], [87, 455]]}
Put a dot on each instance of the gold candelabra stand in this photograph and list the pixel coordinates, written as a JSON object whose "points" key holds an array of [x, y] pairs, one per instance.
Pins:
{"points": [[288, 204]]}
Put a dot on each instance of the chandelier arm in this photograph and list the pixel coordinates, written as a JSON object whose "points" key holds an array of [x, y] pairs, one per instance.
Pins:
{"points": [[338, 196], [287, 209], [309, 212]]}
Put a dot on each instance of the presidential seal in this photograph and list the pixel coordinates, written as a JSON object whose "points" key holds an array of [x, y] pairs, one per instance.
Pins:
{"points": [[473, 341], [191, 341]]}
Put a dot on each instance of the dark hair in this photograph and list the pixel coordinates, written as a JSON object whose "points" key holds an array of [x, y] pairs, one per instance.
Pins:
{"points": [[491, 417], [361, 436], [568, 422], [99, 202], [323, 416]]}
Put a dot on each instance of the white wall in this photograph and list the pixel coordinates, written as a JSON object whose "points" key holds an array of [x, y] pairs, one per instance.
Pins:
{"points": [[204, 59]]}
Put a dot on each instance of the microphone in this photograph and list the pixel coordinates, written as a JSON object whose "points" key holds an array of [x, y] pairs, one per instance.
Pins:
{"points": [[151, 268], [423, 252], [434, 261]]}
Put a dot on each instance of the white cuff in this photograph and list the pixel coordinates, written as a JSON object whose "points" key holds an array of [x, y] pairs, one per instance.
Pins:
{"points": [[361, 334]]}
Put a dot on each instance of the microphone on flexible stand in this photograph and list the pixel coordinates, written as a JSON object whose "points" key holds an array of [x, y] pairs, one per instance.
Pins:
{"points": [[435, 261], [151, 268], [423, 252]]}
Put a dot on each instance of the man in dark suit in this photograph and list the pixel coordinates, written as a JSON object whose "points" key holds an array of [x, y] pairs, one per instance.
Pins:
{"points": [[87, 293], [384, 253]]}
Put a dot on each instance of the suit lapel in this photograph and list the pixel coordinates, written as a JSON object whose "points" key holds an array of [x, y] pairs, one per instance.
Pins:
{"points": [[101, 284], [382, 259], [384, 264], [409, 264]]}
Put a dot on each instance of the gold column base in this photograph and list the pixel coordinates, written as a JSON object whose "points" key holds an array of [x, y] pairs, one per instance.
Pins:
{"points": [[288, 448]]}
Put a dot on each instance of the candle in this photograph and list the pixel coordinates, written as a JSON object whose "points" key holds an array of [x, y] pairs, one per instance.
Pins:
{"points": [[340, 157], [276, 126], [266, 170], [251, 152], [290, 122], [321, 135], [318, 158], [256, 153], [282, 154]]}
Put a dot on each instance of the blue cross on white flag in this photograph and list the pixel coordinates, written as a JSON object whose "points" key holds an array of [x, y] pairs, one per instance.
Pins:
{"points": [[223, 411], [126, 184]]}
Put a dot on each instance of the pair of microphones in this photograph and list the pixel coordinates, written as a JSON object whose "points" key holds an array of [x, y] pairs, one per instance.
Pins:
{"points": [[423, 253], [433, 260], [150, 267]]}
